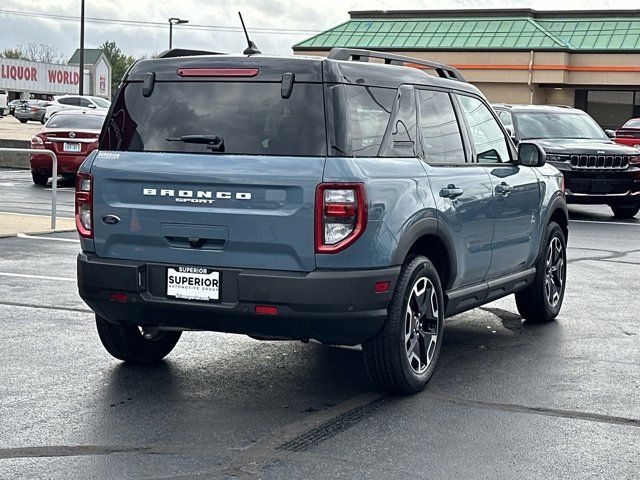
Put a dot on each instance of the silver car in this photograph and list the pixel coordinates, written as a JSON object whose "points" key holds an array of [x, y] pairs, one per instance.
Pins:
{"points": [[31, 110]]}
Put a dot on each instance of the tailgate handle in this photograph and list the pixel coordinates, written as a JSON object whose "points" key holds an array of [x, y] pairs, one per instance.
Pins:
{"points": [[195, 236], [197, 242]]}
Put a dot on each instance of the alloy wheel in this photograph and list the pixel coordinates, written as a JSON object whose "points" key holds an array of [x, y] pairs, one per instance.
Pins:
{"points": [[554, 272], [421, 325]]}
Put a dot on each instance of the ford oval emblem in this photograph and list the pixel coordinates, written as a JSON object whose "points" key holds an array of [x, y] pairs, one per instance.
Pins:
{"points": [[110, 219]]}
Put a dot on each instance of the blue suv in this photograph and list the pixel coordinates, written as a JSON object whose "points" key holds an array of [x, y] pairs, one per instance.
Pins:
{"points": [[337, 199]]}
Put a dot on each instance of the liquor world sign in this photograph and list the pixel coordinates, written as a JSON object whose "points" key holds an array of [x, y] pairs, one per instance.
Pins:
{"points": [[38, 77]]}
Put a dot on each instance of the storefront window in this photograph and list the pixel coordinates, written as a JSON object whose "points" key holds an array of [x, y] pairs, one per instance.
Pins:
{"points": [[610, 108]]}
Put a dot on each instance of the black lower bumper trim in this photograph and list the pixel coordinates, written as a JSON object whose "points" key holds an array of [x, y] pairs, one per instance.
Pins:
{"points": [[335, 307]]}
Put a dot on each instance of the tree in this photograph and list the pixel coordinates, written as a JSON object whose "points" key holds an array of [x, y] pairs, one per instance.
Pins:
{"points": [[120, 62], [13, 53], [41, 52], [35, 52]]}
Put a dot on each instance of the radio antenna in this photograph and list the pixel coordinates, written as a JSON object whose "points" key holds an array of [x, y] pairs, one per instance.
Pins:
{"points": [[251, 48]]}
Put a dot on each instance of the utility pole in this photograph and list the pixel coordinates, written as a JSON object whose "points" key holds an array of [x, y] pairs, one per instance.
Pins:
{"points": [[81, 86]]}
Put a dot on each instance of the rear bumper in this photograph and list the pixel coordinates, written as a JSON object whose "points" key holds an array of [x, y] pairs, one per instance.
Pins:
{"points": [[335, 307], [33, 116], [66, 163]]}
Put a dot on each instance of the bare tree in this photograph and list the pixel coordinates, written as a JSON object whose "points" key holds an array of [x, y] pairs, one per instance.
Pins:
{"points": [[41, 52]]}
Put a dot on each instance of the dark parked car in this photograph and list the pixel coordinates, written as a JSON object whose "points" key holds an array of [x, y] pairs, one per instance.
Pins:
{"points": [[629, 133], [340, 200], [596, 169], [71, 135], [33, 110]]}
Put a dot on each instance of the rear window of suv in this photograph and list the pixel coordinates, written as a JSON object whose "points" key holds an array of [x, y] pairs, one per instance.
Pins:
{"points": [[252, 118]]}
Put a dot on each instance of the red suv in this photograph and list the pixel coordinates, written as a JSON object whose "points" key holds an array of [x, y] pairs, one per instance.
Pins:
{"points": [[71, 135]]}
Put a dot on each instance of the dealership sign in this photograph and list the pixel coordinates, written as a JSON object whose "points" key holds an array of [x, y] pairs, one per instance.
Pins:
{"points": [[38, 77]]}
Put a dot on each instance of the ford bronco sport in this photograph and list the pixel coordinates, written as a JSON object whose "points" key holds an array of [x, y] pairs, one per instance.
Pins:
{"points": [[335, 199], [596, 169]]}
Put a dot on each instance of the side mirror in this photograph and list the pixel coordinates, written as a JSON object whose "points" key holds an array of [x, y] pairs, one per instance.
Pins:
{"points": [[531, 154], [610, 133], [91, 105]]}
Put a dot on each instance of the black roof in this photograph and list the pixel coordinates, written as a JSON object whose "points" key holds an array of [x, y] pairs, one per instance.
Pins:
{"points": [[305, 69]]}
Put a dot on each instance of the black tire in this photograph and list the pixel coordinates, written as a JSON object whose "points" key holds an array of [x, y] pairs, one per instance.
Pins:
{"points": [[23, 120], [386, 355], [126, 342], [538, 302], [69, 178], [625, 211], [40, 178]]}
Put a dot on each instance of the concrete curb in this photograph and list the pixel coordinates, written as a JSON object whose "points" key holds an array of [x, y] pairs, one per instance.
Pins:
{"points": [[43, 232], [14, 160]]}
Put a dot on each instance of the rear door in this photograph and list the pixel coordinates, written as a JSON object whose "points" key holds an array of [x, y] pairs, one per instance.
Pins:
{"points": [[516, 206], [462, 191], [243, 200]]}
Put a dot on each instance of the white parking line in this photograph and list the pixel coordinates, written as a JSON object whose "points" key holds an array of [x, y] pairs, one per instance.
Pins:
{"points": [[607, 223], [54, 239], [38, 277]]}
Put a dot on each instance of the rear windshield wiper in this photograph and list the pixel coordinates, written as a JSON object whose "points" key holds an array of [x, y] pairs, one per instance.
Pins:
{"points": [[213, 142]]}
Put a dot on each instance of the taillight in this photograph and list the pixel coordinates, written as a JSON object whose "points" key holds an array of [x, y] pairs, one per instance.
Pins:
{"points": [[341, 215], [84, 204], [36, 140]]}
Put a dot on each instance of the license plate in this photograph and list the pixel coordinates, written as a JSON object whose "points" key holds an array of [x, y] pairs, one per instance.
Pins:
{"points": [[193, 283], [599, 186], [71, 147]]}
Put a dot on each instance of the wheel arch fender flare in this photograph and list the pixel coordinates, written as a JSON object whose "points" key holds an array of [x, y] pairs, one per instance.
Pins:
{"points": [[557, 210], [430, 229]]}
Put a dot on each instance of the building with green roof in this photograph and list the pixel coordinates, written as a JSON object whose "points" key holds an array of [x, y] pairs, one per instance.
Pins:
{"points": [[97, 71], [587, 59]]}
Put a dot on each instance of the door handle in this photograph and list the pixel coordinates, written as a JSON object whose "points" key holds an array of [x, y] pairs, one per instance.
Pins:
{"points": [[451, 192], [504, 189]]}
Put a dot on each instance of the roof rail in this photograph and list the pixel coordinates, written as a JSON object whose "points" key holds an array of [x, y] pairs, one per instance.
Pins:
{"points": [[360, 55], [184, 52]]}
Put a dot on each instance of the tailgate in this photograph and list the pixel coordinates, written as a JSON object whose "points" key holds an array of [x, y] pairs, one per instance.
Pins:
{"points": [[243, 211]]}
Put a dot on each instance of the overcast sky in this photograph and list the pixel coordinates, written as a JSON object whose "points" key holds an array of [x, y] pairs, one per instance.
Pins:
{"points": [[303, 16]]}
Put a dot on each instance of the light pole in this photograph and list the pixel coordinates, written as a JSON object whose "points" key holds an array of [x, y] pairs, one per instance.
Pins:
{"points": [[174, 21], [81, 80]]}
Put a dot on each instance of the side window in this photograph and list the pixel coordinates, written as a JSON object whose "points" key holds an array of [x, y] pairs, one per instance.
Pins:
{"points": [[505, 118], [369, 112], [400, 137], [488, 139], [84, 102], [441, 137], [75, 101]]}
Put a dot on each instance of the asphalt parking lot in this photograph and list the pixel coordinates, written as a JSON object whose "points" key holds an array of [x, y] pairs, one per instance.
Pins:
{"points": [[11, 128], [508, 399]]}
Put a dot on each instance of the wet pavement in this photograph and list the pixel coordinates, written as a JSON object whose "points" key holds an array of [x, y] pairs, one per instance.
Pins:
{"points": [[508, 399]]}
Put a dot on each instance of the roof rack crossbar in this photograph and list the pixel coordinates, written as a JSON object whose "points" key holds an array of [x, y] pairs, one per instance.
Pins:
{"points": [[360, 55]]}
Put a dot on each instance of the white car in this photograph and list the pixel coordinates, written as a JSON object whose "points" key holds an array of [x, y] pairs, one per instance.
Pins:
{"points": [[4, 108], [76, 102]]}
